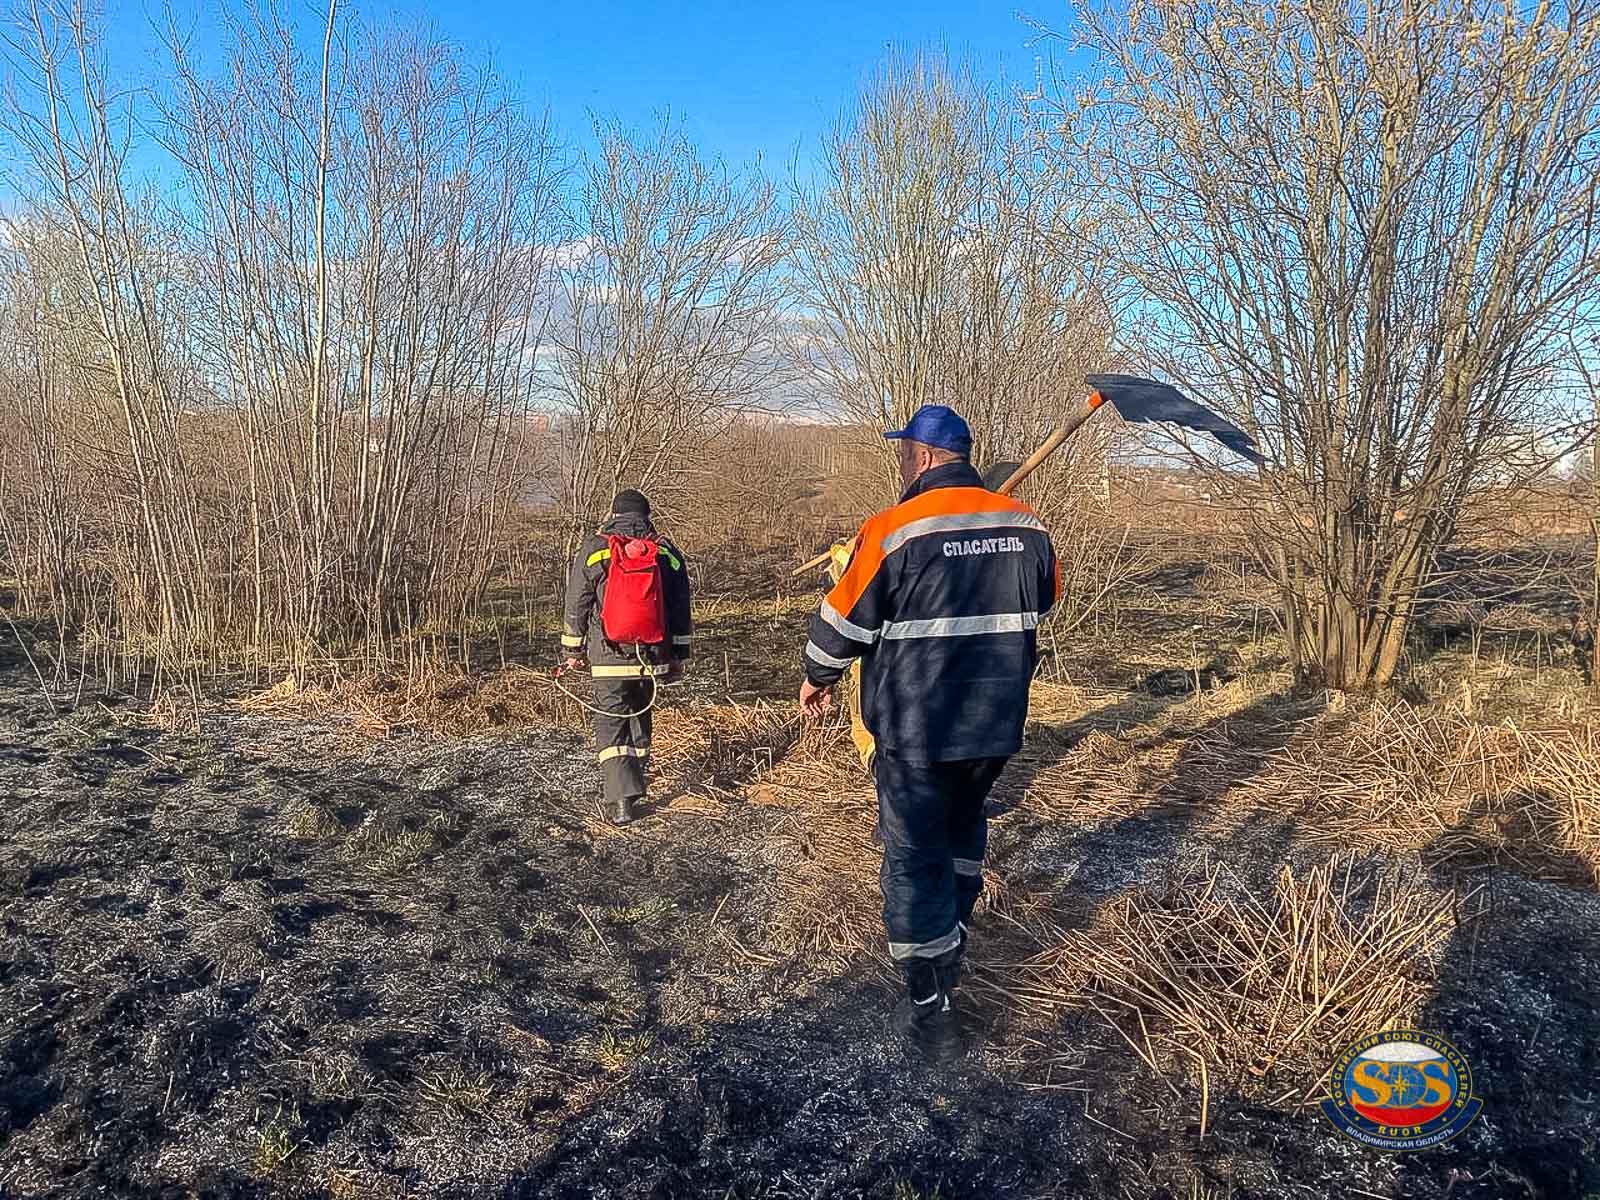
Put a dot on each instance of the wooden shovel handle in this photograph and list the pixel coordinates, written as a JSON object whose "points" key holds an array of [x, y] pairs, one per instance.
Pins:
{"points": [[812, 562], [1051, 445]]}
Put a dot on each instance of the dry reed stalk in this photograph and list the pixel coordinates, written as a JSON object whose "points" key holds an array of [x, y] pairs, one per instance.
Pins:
{"points": [[1405, 778], [1250, 983]]}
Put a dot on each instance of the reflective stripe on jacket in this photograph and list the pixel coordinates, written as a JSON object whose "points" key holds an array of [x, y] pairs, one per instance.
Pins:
{"points": [[941, 603]]}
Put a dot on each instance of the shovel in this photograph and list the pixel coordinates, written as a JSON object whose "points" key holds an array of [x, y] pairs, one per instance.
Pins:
{"points": [[1136, 399]]}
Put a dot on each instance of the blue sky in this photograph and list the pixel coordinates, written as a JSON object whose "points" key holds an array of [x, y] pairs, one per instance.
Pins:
{"points": [[746, 79]]}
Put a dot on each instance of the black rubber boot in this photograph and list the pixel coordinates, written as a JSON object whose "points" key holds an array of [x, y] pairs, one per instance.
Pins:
{"points": [[926, 1017], [950, 970], [620, 811]]}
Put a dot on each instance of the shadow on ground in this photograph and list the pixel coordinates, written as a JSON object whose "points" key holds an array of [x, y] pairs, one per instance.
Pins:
{"points": [[273, 960], [1088, 862], [815, 1099], [1515, 993]]}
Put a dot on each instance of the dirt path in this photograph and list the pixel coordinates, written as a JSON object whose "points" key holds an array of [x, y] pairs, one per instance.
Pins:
{"points": [[276, 959]]}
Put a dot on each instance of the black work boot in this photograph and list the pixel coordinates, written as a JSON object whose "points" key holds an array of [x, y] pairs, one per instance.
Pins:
{"points": [[926, 1018], [950, 971], [620, 810]]}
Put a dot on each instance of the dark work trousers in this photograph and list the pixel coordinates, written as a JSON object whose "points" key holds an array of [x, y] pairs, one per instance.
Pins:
{"points": [[934, 831], [622, 743]]}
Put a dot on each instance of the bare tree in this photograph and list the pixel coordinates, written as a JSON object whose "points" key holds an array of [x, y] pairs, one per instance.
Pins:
{"points": [[1591, 606], [1367, 230], [750, 485], [133, 367], [36, 526], [378, 392], [935, 252], [674, 312], [289, 409]]}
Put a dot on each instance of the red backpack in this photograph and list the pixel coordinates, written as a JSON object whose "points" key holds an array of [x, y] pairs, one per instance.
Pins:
{"points": [[634, 611]]}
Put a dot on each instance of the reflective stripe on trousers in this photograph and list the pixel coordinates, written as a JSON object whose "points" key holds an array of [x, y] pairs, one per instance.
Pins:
{"points": [[622, 744], [900, 951], [935, 832]]}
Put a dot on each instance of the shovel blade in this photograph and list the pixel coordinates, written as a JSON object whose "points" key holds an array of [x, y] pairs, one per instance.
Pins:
{"points": [[1145, 400]]}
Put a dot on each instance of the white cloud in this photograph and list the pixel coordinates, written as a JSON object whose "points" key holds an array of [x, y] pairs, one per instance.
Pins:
{"points": [[566, 255]]}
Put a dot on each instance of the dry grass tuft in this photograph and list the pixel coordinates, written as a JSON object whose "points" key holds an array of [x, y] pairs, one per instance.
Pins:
{"points": [[358, 1185], [616, 1053], [458, 1092], [384, 842], [713, 750], [831, 912], [277, 1141], [1400, 777], [176, 710], [447, 701], [309, 821], [1249, 984]]}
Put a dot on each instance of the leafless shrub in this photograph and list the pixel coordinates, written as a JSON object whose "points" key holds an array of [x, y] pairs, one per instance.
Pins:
{"points": [[675, 307], [753, 482], [100, 348], [1368, 231], [381, 407], [289, 413], [931, 247]]}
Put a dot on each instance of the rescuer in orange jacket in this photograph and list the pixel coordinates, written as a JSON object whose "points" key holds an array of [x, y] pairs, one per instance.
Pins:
{"points": [[940, 602]]}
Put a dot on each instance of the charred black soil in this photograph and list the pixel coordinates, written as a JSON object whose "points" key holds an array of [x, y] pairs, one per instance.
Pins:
{"points": [[278, 959]]}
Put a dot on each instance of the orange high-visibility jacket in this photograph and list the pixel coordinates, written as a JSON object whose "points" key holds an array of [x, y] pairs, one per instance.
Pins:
{"points": [[941, 603]]}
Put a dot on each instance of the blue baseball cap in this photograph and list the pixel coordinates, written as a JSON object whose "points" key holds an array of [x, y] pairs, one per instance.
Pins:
{"points": [[936, 425]]}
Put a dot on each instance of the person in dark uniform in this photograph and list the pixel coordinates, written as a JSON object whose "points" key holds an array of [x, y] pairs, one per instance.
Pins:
{"points": [[625, 677], [940, 604]]}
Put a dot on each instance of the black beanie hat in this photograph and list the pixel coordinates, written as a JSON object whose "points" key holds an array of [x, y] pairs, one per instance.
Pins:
{"points": [[631, 501]]}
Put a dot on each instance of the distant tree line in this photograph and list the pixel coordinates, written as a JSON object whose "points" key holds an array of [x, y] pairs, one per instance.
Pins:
{"points": [[293, 399]]}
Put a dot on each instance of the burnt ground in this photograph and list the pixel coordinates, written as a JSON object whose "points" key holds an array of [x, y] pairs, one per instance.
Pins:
{"points": [[274, 958]]}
